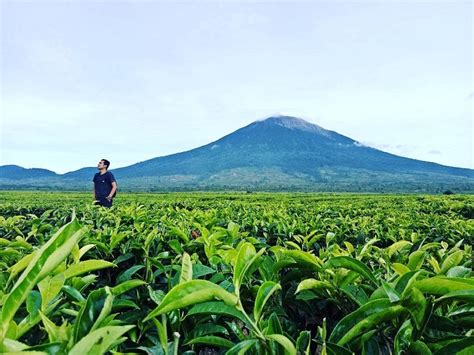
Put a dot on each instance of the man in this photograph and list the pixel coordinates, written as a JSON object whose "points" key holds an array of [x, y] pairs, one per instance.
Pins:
{"points": [[105, 184]]}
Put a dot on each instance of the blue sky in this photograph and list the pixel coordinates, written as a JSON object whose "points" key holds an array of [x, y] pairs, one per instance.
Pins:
{"points": [[130, 81]]}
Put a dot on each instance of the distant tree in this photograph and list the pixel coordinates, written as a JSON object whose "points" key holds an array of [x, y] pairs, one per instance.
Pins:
{"points": [[448, 192]]}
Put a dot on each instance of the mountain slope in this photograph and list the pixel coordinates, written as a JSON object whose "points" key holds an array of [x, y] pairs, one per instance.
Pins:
{"points": [[280, 153], [291, 144]]}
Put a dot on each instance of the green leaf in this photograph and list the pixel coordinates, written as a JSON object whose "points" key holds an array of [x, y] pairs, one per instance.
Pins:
{"points": [[304, 259], [127, 274], [415, 260], [460, 347], [55, 333], [284, 342], [200, 270], [459, 271], [400, 269], [97, 307], [212, 340], [242, 347], [45, 260], [86, 266], [392, 294], [206, 329], [416, 304], [350, 263], [186, 269], [274, 325], [397, 246], [452, 260], [406, 281], [190, 293], [313, 284], [216, 308], [419, 348], [33, 304], [49, 288], [351, 320], [303, 343], [403, 338], [440, 285], [461, 295], [264, 293], [245, 258], [126, 286], [370, 322], [100, 340]]}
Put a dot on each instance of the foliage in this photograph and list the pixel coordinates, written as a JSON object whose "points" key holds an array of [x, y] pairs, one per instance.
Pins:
{"points": [[236, 273]]}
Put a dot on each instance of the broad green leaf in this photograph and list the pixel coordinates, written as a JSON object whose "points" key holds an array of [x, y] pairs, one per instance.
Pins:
{"points": [[370, 322], [49, 288], [245, 258], [415, 260], [400, 269], [85, 249], [190, 293], [100, 340], [50, 255], [126, 286], [403, 338], [242, 347], [452, 260], [406, 281], [419, 348], [212, 340], [86, 266], [350, 263], [460, 347], [216, 308], [397, 246], [354, 318], [313, 284], [10, 346], [97, 307], [21, 265], [392, 294], [459, 271], [264, 293], [274, 325], [127, 274], [303, 343], [33, 303], [461, 295], [284, 342], [206, 329], [186, 269], [439, 285], [304, 259], [55, 333], [416, 304]]}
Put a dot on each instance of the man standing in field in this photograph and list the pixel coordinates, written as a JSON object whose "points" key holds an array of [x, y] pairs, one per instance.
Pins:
{"points": [[105, 184]]}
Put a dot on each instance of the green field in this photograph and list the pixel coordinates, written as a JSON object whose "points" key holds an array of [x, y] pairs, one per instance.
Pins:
{"points": [[207, 273]]}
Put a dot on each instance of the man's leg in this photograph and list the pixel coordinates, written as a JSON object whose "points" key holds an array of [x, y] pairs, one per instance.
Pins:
{"points": [[105, 203]]}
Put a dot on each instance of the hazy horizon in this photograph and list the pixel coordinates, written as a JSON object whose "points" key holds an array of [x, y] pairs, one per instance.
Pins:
{"points": [[131, 81]]}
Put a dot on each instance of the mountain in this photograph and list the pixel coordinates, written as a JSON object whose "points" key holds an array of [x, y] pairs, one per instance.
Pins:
{"points": [[17, 172], [281, 153]]}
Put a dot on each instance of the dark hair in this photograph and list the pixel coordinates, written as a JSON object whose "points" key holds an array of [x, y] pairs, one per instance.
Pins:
{"points": [[106, 163]]}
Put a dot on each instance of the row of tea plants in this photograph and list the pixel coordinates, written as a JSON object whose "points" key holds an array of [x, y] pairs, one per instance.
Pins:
{"points": [[235, 274]]}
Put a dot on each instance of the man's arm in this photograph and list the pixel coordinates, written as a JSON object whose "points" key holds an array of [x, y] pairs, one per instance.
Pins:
{"points": [[93, 193], [114, 188]]}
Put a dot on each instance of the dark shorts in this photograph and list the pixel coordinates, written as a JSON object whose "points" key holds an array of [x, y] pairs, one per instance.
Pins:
{"points": [[102, 201]]}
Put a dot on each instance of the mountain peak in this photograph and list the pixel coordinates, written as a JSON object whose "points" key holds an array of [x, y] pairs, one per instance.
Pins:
{"points": [[294, 123]]}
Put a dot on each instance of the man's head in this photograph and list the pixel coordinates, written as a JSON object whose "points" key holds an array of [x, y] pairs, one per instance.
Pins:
{"points": [[103, 164]]}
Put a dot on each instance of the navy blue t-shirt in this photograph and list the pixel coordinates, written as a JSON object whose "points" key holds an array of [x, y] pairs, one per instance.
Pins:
{"points": [[103, 184]]}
